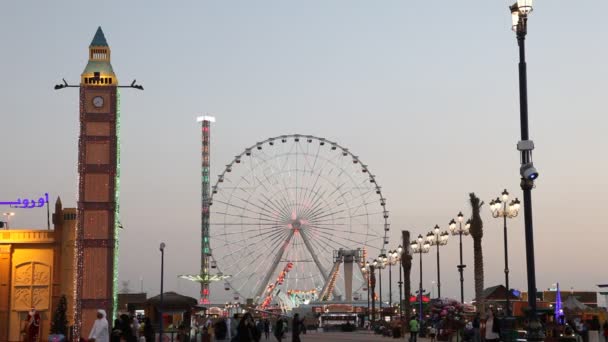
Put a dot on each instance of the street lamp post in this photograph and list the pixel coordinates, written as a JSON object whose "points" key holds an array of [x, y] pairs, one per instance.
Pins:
{"points": [[438, 238], [420, 246], [162, 274], [500, 208], [519, 14], [460, 231], [390, 261], [397, 255], [380, 266], [370, 269], [365, 269]]}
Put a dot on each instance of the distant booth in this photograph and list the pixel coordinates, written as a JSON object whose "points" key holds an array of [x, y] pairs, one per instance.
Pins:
{"points": [[339, 316], [132, 304], [176, 312]]}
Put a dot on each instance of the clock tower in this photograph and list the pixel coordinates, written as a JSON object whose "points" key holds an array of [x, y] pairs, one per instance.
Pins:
{"points": [[98, 184]]}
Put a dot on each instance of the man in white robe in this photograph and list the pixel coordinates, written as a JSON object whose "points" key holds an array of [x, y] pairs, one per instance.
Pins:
{"points": [[100, 331]]}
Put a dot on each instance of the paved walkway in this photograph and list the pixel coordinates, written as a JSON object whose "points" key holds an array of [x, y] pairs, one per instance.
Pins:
{"points": [[343, 336]]}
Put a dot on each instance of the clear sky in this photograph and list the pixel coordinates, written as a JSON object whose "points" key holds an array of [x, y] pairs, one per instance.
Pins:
{"points": [[424, 92]]}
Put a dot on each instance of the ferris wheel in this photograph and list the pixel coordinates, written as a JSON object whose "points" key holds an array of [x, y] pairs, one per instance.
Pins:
{"points": [[283, 206]]}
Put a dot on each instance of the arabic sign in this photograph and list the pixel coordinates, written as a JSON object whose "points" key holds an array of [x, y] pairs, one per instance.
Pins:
{"points": [[28, 203]]}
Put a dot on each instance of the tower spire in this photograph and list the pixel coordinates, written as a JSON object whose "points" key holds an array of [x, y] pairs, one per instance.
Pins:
{"points": [[99, 39], [98, 71]]}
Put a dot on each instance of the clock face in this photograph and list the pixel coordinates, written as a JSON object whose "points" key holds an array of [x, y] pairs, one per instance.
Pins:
{"points": [[98, 101]]}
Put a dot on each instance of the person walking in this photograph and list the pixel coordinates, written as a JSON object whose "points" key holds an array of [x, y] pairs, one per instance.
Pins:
{"points": [[432, 332], [100, 331], [221, 330], [476, 327], [116, 331], [246, 331], [414, 328], [266, 328], [148, 330], [296, 328], [278, 329], [492, 327], [233, 324], [135, 327]]}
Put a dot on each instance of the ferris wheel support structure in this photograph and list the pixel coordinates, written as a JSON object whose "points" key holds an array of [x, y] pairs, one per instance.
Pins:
{"points": [[260, 291]]}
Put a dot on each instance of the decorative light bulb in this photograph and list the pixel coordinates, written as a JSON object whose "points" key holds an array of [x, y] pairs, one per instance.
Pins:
{"points": [[524, 6], [505, 195]]}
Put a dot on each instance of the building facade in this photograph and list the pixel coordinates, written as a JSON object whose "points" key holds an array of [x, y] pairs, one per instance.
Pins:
{"points": [[36, 269]]}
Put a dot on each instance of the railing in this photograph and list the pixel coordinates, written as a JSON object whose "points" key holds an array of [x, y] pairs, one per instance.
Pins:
{"points": [[27, 236]]}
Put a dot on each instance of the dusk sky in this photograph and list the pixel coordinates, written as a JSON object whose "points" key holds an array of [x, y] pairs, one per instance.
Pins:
{"points": [[425, 93]]}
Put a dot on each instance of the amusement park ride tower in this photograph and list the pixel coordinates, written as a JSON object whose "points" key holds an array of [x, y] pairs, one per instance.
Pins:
{"points": [[205, 203]]}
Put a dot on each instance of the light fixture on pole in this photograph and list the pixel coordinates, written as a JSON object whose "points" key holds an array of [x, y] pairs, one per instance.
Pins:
{"points": [[519, 14], [420, 246], [370, 268], [460, 230], [8, 218], [398, 252], [364, 270], [500, 208], [162, 276], [393, 259], [438, 238], [382, 259]]}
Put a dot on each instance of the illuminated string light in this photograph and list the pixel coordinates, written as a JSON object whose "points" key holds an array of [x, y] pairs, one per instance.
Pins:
{"points": [[78, 255], [116, 209]]}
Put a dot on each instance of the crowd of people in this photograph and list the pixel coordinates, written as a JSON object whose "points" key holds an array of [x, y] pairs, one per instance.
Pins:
{"points": [[247, 329], [125, 329]]}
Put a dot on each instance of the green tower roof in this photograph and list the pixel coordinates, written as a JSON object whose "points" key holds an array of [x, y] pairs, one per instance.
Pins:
{"points": [[99, 39]]}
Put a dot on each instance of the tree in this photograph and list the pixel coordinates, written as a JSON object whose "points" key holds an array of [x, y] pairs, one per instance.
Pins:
{"points": [[59, 326], [476, 230], [406, 263]]}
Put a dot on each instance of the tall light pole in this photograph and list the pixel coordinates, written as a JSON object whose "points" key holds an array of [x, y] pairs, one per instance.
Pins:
{"points": [[8, 218], [369, 268], [460, 230], [397, 257], [365, 269], [438, 238], [162, 276], [372, 269], [500, 208], [519, 14], [420, 246], [380, 265], [390, 261]]}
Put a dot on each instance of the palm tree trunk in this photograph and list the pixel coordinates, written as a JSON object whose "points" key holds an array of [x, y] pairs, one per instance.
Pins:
{"points": [[406, 263], [477, 235]]}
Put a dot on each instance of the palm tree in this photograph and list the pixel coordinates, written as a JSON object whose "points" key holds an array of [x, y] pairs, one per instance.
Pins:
{"points": [[406, 263], [476, 230]]}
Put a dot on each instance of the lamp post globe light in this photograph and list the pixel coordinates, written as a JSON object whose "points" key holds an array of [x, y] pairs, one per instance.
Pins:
{"points": [[438, 238], [460, 231], [381, 264], [393, 258], [520, 12], [369, 268], [500, 208], [420, 245], [397, 254]]}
